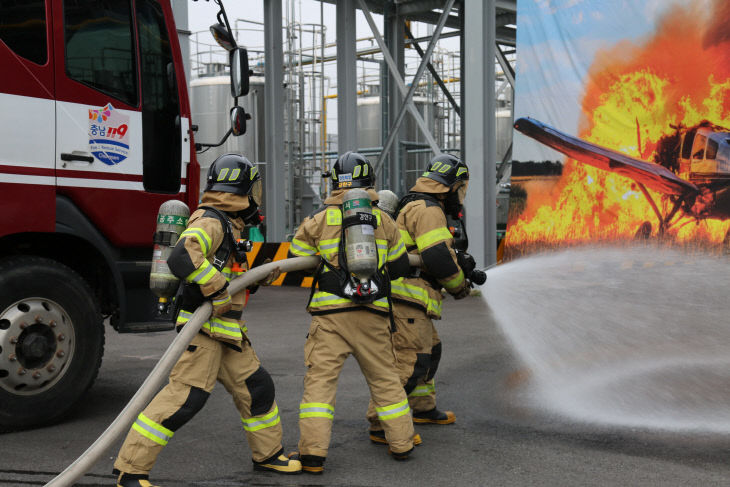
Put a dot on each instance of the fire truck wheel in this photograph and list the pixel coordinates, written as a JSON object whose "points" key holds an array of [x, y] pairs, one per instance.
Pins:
{"points": [[51, 341]]}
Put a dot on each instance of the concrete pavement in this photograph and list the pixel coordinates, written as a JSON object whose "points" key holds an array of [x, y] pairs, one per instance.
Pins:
{"points": [[496, 440]]}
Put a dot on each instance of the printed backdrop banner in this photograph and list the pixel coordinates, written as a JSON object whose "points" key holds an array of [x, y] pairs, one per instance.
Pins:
{"points": [[621, 119]]}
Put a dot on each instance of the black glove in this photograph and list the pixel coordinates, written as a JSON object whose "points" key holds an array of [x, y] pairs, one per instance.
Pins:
{"points": [[466, 262]]}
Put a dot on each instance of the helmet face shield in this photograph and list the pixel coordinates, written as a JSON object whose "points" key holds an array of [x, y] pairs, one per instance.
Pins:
{"points": [[257, 192]]}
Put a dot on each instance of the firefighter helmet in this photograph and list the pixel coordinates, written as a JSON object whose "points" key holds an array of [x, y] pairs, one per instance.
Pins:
{"points": [[233, 173], [447, 170], [352, 170]]}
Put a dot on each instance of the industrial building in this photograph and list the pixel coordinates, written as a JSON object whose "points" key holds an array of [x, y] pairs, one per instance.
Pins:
{"points": [[398, 91]]}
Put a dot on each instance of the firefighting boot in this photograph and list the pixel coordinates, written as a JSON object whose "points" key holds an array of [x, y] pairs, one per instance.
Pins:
{"points": [[310, 463], [434, 416], [378, 436], [134, 480], [401, 456], [280, 464]]}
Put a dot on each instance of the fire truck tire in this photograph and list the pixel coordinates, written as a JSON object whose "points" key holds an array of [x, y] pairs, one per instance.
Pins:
{"points": [[51, 341]]}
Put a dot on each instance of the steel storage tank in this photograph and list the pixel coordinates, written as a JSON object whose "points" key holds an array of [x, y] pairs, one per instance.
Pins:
{"points": [[211, 103], [369, 134], [504, 132]]}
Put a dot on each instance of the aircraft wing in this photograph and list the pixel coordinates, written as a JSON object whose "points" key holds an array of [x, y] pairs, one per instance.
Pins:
{"points": [[653, 176]]}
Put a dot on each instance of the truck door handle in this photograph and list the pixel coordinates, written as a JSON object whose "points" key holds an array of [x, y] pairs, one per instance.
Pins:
{"points": [[76, 157]]}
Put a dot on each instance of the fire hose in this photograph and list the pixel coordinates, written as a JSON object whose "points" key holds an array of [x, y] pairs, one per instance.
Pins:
{"points": [[160, 372]]}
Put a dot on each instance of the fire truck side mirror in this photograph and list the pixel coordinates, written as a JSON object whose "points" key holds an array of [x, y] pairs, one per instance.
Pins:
{"points": [[239, 72], [238, 120]]}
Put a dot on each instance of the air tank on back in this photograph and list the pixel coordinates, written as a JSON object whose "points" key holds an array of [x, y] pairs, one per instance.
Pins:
{"points": [[172, 219], [211, 103], [360, 247]]}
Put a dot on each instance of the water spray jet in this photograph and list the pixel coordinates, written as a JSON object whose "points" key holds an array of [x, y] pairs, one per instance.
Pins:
{"points": [[622, 337]]}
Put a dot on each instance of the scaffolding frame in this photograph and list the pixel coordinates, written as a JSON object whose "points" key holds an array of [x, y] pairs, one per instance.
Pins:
{"points": [[298, 148]]}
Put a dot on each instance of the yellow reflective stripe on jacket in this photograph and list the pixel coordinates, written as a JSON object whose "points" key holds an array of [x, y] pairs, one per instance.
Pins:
{"points": [[455, 282], [396, 251], [381, 303], [432, 237], [203, 238], [434, 307], [302, 249], [334, 216], [423, 390], [224, 300], [402, 289], [228, 328], [393, 411], [231, 274], [322, 298], [328, 247], [202, 274], [316, 410], [382, 246], [261, 422], [376, 212], [410, 292], [151, 430], [231, 328], [406, 237]]}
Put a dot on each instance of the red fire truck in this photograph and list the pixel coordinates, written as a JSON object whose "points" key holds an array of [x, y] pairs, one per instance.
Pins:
{"points": [[95, 134]]}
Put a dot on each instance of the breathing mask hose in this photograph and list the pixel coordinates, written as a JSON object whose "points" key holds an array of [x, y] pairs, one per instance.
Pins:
{"points": [[159, 374]]}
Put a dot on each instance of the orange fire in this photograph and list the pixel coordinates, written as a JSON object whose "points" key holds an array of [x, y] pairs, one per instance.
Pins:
{"points": [[680, 75]]}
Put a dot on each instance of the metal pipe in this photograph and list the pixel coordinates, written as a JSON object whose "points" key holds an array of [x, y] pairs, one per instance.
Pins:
{"points": [[414, 84], [161, 371], [435, 75], [509, 72], [323, 124], [407, 102]]}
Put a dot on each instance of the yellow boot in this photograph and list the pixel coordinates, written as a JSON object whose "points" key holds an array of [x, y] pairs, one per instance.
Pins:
{"points": [[279, 464], [134, 480]]}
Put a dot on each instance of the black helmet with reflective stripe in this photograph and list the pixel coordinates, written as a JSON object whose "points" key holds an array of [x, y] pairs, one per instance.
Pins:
{"points": [[233, 173], [447, 170], [352, 170]]}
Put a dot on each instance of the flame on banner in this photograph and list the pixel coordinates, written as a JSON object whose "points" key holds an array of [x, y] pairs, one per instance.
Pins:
{"points": [[680, 75]]}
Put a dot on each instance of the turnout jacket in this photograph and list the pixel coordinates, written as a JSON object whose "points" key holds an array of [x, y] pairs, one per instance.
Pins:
{"points": [[320, 233], [422, 225], [192, 262]]}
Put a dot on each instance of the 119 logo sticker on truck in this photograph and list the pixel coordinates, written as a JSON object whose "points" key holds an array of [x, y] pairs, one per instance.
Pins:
{"points": [[108, 139]]}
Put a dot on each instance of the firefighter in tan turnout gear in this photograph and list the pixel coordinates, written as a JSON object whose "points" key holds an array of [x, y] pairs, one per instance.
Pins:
{"points": [[421, 219], [206, 257], [350, 317]]}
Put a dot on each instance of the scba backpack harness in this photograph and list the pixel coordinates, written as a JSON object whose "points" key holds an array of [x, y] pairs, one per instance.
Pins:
{"points": [[341, 282], [189, 294]]}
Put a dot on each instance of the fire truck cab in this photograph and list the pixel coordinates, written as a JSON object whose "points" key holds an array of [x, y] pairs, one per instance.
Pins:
{"points": [[95, 134]]}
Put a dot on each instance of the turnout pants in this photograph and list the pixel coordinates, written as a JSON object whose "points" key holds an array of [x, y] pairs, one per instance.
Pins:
{"points": [[418, 352], [191, 381], [332, 338]]}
